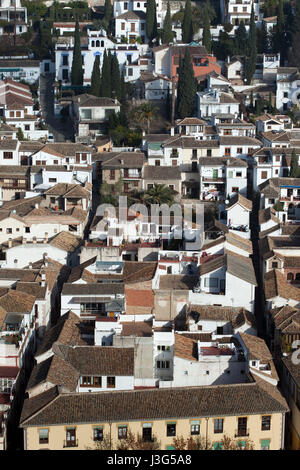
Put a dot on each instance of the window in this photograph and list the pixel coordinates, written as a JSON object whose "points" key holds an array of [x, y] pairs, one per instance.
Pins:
{"points": [[27, 229], [7, 155], [174, 162], [130, 72], [274, 264], [65, 74], [147, 432], [111, 382], [211, 282], [227, 151], [98, 433], [157, 162], [122, 431], [65, 60], [219, 330], [265, 423], [264, 175], [27, 127], [86, 381], [71, 437], [194, 167], [265, 444], [238, 174], [171, 429], [218, 425], [235, 189], [112, 174], [52, 180], [239, 150], [242, 427], [194, 153], [97, 381], [208, 153], [195, 428], [9, 230], [43, 436], [163, 364]]}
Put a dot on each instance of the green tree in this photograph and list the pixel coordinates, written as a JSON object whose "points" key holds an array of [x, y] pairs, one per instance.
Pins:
{"points": [[77, 71], [158, 194], [145, 113], [241, 39], [115, 78], [187, 25], [168, 105], [206, 40], [122, 88], [294, 170], [186, 86], [108, 12], [96, 78], [263, 39], [106, 76], [167, 34], [252, 50], [20, 135], [151, 21]]}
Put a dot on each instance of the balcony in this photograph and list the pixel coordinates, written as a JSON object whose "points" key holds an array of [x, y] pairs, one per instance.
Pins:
{"points": [[241, 432], [73, 443], [213, 179]]}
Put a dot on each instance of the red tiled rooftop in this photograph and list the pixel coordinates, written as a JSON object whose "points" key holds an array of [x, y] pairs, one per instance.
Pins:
{"points": [[8, 372], [213, 351]]}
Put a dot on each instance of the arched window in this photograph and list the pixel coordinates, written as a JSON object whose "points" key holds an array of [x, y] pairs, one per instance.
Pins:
{"points": [[93, 43], [97, 43], [102, 43], [290, 277]]}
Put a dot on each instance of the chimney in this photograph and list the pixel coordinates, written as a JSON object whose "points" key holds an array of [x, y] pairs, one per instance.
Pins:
{"points": [[36, 205], [9, 242], [172, 131], [24, 241], [46, 237], [34, 240], [30, 265]]}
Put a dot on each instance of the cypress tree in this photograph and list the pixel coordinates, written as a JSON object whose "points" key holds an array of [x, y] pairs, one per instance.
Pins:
{"points": [[167, 35], [122, 87], [187, 86], [151, 22], [96, 78], [206, 39], [168, 105], [252, 50], [106, 77], [115, 78], [241, 39], [294, 170], [108, 11], [77, 71], [187, 25]]}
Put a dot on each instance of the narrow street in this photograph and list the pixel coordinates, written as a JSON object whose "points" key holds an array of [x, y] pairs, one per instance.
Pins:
{"points": [[62, 130]]}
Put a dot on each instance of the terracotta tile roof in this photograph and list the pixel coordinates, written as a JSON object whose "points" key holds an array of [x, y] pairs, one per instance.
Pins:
{"points": [[209, 401], [185, 348], [136, 271], [264, 215], [33, 288], [240, 199], [17, 302], [239, 242], [177, 282], [137, 328], [277, 286], [114, 160], [66, 331], [152, 172], [65, 241], [238, 316], [257, 347]]}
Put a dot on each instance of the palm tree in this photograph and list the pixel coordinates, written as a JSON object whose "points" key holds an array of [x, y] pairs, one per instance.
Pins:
{"points": [[145, 114], [158, 194]]}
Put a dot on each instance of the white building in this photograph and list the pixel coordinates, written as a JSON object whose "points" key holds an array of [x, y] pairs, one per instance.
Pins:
{"points": [[287, 87], [212, 102]]}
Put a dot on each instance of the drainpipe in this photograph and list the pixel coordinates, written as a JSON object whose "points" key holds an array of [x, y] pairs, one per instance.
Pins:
{"points": [[206, 433], [282, 431], [109, 435]]}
